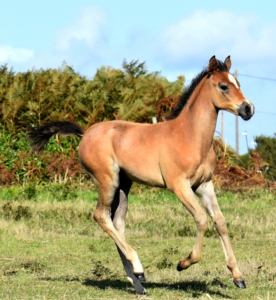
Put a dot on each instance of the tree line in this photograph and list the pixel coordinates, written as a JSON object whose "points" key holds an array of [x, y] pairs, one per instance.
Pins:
{"points": [[130, 93], [38, 96]]}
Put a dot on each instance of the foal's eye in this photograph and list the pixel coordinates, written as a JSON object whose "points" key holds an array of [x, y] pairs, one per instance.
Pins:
{"points": [[224, 87]]}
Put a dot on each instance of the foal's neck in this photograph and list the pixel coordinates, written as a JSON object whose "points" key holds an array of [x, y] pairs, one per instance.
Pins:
{"points": [[199, 117]]}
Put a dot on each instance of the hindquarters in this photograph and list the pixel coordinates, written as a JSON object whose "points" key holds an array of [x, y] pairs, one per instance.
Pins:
{"points": [[111, 147]]}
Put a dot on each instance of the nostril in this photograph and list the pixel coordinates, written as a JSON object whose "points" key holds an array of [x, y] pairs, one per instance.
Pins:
{"points": [[247, 109]]}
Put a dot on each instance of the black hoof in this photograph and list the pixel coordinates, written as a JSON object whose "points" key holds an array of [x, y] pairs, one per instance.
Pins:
{"points": [[144, 292], [178, 268], [140, 276], [240, 283]]}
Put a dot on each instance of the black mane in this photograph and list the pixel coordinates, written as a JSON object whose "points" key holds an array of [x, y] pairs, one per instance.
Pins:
{"points": [[184, 98]]}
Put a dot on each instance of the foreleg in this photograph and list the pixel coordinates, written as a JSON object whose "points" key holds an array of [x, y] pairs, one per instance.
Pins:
{"points": [[208, 198], [185, 194]]}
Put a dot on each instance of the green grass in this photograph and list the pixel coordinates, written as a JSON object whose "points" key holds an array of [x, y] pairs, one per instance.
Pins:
{"points": [[51, 248]]}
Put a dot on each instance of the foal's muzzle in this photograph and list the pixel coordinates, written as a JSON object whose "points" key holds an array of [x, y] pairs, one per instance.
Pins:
{"points": [[246, 110]]}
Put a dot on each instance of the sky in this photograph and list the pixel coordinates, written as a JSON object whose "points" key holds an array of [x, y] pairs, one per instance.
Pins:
{"points": [[173, 37]]}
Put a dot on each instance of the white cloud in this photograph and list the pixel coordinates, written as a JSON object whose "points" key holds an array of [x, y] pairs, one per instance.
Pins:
{"points": [[90, 28], [9, 53], [221, 33]]}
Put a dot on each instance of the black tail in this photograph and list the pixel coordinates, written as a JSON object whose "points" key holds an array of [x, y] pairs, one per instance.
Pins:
{"points": [[40, 135]]}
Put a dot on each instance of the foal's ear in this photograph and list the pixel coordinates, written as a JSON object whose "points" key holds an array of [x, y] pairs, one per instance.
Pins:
{"points": [[227, 62], [213, 65]]}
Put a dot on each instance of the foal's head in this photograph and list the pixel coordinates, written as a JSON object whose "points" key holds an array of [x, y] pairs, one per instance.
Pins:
{"points": [[225, 89]]}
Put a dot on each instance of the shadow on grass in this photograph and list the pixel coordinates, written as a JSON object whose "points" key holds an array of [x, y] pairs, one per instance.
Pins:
{"points": [[193, 288]]}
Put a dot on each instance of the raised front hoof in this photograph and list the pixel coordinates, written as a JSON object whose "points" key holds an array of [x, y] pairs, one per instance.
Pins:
{"points": [[140, 276], [183, 265], [179, 268], [240, 283]]}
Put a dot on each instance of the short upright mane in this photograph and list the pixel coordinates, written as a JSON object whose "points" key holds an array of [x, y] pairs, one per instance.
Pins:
{"points": [[184, 98]]}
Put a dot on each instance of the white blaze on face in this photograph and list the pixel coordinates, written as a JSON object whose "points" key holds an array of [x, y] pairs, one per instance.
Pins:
{"points": [[233, 80]]}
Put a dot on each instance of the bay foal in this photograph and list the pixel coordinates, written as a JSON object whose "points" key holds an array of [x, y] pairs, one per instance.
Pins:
{"points": [[176, 154]]}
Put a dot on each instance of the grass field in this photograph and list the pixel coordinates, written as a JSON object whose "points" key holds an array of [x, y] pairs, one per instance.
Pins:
{"points": [[51, 248]]}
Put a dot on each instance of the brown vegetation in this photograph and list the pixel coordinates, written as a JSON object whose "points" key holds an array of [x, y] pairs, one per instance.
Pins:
{"points": [[230, 175], [6, 176]]}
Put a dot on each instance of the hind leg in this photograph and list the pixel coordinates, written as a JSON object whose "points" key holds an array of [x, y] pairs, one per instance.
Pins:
{"points": [[118, 214], [108, 184]]}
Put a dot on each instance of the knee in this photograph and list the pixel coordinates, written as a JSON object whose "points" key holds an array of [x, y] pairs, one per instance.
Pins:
{"points": [[202, 223]]}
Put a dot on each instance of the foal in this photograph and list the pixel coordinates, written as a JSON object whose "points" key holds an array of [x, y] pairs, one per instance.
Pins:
{"points": [[176, 154]]}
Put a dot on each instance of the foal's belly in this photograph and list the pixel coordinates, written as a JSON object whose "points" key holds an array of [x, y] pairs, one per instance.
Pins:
{"points": [[147, 174]]}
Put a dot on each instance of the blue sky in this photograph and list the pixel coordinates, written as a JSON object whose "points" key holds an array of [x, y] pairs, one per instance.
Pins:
{"points": [[174, 37]]}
